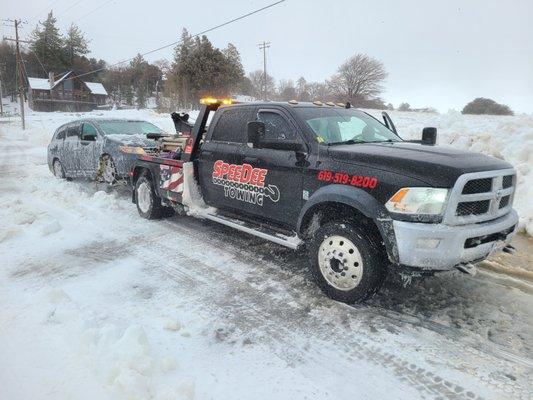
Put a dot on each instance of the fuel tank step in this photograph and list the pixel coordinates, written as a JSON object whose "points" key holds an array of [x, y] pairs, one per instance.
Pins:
{"points": [[292, 242]]}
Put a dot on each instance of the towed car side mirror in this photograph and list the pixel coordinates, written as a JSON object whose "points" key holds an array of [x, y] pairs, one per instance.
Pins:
{"points": [[429, 136], [255, 131]]}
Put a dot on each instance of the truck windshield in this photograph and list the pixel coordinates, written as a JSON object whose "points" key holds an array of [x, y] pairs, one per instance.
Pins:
{"points": [[128, 127], [340, 125]]}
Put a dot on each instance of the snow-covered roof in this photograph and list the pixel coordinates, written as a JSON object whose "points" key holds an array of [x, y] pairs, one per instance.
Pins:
{"points": [[39, 83], [57, 82], [96, 88], [44, 84]]}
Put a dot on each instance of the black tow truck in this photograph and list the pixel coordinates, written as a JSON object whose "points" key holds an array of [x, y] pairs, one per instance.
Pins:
{"points": [[335, 180]]}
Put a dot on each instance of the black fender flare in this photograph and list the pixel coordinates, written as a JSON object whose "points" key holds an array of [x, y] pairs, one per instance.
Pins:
{"points": [[363, 202]]}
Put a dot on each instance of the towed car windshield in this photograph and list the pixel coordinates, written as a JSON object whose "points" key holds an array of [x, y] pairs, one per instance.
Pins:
{"points": [[342, 126], [128, 127]]}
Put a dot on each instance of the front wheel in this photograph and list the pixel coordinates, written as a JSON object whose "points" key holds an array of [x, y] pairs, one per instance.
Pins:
{"points": [[57, 167], [347, 264], [148, 203], [108, 170]]}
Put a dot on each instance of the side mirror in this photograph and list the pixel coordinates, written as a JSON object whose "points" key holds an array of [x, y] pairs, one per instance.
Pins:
{"points": [[90, 137], [255, 131], [429, 136]]}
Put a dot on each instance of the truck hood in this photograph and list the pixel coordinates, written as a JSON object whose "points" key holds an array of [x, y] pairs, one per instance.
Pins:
{"points": [[436, 165]]}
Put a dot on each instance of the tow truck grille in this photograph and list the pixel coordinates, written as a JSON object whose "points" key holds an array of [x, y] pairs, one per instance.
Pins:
{"points": [[473, 208], [483, 185], [507, 181], [480, 196]]}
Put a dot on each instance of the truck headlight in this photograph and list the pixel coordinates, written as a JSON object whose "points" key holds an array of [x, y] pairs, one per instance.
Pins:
{"points": [[418, 200]]}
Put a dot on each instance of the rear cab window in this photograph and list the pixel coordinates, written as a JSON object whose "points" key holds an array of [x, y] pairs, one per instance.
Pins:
{"points": [[231, 126]]}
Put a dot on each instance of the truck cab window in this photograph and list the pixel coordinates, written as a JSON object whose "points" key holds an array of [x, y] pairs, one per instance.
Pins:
{"points": [[276, 127], [231, 126]]}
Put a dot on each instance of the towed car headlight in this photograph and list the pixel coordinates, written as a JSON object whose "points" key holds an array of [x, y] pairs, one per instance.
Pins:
{"points": [[131, 149], [418, 200]]}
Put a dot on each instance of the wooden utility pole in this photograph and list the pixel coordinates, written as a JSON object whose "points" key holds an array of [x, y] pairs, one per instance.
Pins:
{"points": [[1, 94], [263, 46], [20, 68]]}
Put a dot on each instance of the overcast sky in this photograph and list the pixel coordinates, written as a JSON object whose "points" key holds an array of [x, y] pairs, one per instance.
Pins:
{"points": [[437, 53]]}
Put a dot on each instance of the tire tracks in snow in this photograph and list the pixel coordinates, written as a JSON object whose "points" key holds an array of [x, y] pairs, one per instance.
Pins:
{"points": [[273, 309]]}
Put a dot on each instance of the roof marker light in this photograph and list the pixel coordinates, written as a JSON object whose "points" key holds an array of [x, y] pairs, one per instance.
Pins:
{"points": [[317, 103], [293, 102], [330, 103]]}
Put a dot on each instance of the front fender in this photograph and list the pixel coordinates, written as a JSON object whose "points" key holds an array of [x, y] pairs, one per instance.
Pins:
{"points": [[363, 202]]}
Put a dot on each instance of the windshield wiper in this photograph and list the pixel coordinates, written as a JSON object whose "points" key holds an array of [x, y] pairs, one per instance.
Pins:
{"points": [[351, 141]]}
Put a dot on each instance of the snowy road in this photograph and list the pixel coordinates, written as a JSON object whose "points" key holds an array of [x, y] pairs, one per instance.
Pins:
{"points": [[98, 303]]}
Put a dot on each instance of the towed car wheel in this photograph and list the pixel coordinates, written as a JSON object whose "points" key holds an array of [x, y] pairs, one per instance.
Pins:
{"points": [[58, 169], [346, 262], [109, 171]]}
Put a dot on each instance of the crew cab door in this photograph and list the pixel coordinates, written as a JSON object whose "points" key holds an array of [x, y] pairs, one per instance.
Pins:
{"points": [[222, 149], [281, 189]]}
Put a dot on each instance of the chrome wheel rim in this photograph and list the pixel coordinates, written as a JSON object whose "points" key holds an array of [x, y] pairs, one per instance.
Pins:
{"points": [[144, 198], [340, 262], [109, 171], [57, 169]]}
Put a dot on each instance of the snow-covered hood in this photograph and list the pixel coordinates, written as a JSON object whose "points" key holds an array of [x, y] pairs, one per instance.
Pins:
{"points": [[130, 140]]}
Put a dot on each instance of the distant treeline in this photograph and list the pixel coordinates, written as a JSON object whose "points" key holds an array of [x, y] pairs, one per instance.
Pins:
{"points": [[197, 69]]}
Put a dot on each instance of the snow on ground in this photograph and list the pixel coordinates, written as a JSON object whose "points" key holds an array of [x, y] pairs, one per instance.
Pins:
{"points": [[99, 303]]}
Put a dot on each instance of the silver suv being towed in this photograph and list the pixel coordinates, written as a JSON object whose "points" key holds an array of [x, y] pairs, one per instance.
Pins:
{"points": [[102, 149]]}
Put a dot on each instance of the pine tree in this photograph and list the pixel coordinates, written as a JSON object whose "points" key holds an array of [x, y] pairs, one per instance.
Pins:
{"points": [[48, 44], [75, 44]]}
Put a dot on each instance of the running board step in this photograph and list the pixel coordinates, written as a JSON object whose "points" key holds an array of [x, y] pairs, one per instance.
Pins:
{"points": [[292, 242]]}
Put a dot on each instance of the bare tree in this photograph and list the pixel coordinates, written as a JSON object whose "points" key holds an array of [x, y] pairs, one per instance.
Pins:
{"points": [[286, 90], [256, 78], [358, 78], [319, 91]]}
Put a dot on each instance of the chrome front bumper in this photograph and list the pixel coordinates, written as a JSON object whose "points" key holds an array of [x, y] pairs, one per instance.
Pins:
{"points": [[442, 247]]}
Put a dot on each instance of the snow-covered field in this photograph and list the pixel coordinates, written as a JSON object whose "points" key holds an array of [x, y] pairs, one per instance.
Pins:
{"points": [[97, 303]]}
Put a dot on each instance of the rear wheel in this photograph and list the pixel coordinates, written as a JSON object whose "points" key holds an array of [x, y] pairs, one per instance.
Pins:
{"points": [[148, 203], [57, 168], [347, 263]]}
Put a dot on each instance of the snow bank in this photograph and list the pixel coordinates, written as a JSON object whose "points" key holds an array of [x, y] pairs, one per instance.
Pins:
{"points": [[509, 138]]}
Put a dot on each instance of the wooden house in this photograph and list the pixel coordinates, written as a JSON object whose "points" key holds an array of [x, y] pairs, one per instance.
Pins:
{"points": [[65, 93]]}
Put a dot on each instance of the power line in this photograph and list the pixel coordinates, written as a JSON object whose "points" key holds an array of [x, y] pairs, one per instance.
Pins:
{"points": [[69, 8], [179, 41], [94, 10], [46, 8]]}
